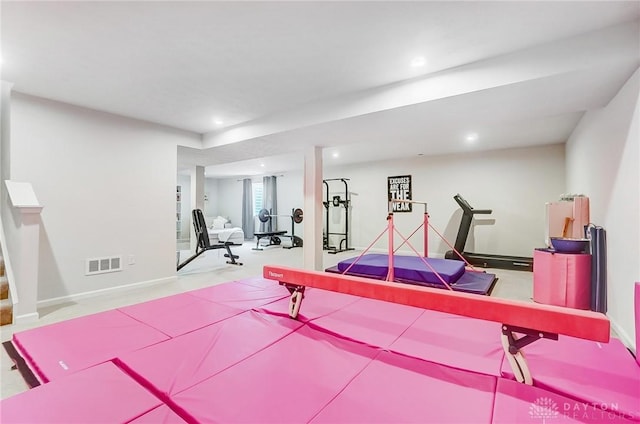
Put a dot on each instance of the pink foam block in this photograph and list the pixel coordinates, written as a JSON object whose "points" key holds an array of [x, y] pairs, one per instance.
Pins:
{"points": [[460, 342], [289, 382], [562, 279], [399, 389], [177, 364], [242, 296], [520, 403], [374, 322], [317, 303], [588, 371], [100, 394], [179, 314], [160, 415], [60, 349]]}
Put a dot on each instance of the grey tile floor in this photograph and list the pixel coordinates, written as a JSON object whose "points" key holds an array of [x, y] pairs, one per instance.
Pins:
{"points": [[208, 269]]}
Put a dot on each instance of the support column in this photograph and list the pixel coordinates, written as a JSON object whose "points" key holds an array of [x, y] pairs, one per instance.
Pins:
{"points": [[24, 249], [5, 139], [197, 199], [312, 250]]}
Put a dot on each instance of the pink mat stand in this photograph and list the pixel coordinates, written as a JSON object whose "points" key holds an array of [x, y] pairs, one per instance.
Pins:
{"points": [[100, 394]]}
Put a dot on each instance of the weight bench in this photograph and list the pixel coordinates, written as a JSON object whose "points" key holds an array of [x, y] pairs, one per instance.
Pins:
{"points": [[200, 227], [273, 236]]}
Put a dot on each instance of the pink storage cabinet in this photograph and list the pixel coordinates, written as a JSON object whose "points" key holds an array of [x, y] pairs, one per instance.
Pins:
{"points": [[562, 279]]}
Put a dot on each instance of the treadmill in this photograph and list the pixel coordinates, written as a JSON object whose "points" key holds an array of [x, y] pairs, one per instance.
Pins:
{"points": [[484, 260]]}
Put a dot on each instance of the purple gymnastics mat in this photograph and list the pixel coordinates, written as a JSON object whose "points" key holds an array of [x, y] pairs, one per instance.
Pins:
{"points": [[412, 270]]}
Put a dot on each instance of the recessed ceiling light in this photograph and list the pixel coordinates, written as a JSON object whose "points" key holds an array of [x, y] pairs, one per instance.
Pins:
{"points": [[218, 121], [262, 165], [471, 138], [335, 154], [418, 61]]}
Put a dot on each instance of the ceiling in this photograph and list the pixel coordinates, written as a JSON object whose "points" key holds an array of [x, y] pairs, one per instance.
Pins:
{"points": [[282, 76]]}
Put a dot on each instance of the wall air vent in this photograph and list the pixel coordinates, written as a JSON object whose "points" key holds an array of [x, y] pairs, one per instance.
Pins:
{"points": [[102, 265]]}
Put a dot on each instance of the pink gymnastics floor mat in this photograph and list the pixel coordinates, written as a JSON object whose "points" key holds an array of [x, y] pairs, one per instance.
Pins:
{"points": [[230, 353], [100, 394]]}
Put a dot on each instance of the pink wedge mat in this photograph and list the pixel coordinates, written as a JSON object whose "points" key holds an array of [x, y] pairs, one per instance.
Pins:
{"points": [[455, 341], [398, 389], [175, 365], [370, 321], [288, 382], [520, 403], [317, 303], [160, 415], [100, 394], [56, 350], [179, 314], [587, 371], [240, 295]]}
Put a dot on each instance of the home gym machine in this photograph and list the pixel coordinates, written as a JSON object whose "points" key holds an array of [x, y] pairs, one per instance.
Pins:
{"points": [[482, 259], [336, 202], [274, 237], [200, 227]]}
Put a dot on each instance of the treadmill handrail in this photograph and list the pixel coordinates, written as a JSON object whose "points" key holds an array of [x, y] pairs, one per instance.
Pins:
{"points": [[466, 207]]}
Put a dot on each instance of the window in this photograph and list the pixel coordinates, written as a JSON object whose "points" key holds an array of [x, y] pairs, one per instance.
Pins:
{"points": [[257, 197]]}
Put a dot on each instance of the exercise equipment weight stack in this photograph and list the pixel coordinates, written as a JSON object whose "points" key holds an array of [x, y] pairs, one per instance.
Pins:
{"points": [[296, 218]]}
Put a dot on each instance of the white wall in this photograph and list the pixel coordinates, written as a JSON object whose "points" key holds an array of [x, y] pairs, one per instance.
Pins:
{"points": [[290, 196], [514, 183], [184, 181], [602, 162], [211, 193], [229, 200], [107, 184]]}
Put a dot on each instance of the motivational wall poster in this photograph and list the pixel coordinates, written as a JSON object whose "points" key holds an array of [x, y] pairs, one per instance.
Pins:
{"points": [[400, 189]]}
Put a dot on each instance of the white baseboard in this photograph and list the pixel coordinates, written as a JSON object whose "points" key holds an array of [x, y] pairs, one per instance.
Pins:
{"points": [[625, 338], [26, 318], [99, 292]]}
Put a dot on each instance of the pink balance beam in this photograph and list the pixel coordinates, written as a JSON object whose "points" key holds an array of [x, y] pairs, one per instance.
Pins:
{"points": [[582, 324]]}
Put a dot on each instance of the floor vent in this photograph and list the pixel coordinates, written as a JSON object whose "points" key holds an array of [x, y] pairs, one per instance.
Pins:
{"points": [[102, 265]]}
